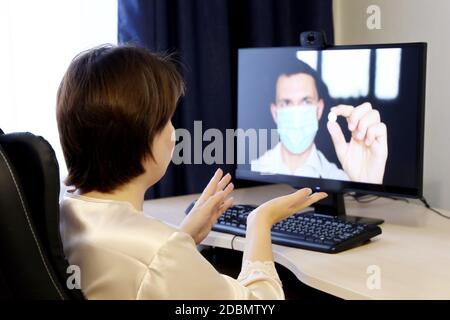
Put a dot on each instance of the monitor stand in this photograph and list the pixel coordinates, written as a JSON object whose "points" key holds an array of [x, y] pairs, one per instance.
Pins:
{"points": [[334, 205]]}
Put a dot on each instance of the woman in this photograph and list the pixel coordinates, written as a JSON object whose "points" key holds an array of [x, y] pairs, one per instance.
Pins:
{"points": [[114, 107]]}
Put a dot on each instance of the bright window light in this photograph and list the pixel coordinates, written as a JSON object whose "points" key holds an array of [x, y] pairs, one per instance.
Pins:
{"points": [[39, 40], [346, 72], [387, 73], [308, 57]]}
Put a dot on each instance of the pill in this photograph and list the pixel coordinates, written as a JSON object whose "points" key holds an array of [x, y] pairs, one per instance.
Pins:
{"points": [[332, 117]]}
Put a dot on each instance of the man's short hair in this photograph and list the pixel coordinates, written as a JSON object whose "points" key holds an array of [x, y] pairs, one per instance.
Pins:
{"points": [[111, 103], [299, 66]]}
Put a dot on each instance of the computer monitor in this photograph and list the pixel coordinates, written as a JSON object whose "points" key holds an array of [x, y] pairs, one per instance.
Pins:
{"points": [[339, 119]]}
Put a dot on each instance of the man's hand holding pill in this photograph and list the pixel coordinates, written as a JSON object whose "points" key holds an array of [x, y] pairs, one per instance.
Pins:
{"points": [[364, 157]]}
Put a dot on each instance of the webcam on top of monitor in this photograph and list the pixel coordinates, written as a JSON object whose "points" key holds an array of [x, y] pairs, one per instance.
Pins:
{"points": [[313, 39]]}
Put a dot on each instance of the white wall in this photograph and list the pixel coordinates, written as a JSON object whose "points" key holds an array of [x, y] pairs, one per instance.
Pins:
{"points": [[413, 21]]}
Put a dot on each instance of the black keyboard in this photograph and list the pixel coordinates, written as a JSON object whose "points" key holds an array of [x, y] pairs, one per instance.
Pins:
{"points": [[309, 230]]}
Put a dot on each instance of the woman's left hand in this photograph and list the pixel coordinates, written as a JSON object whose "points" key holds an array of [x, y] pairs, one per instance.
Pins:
{"points": [[211, 204]]}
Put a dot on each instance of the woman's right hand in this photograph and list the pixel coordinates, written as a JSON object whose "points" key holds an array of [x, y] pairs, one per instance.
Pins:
{"points": [[209, 206], [282, 207]]}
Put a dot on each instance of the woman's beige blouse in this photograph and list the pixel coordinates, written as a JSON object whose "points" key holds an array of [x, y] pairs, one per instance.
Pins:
{"points": [[122, 254]]}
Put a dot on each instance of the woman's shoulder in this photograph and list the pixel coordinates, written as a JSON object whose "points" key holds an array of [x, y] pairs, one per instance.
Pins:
{"points": [[113, 226]]}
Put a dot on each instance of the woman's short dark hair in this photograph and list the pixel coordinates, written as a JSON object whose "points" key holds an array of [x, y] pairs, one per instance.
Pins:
{"points": [[111, 103]]}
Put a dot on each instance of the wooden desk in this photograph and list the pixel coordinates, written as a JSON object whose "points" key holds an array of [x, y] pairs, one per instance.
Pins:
{"points": [[412, 253]]}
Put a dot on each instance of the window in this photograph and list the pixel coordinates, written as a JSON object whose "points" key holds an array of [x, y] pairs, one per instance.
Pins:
{"points": [[346, 72], [387, 73], [39, 40], [308, 57]]}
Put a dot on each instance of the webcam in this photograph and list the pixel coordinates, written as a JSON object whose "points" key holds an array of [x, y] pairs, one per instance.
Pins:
{"points": [[313, 39]]}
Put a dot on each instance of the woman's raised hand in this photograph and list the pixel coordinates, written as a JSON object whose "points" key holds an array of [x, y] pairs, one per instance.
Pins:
{"points": [[213, 201]]}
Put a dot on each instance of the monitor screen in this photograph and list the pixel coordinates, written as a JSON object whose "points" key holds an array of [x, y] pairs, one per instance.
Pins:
{"points": [[347, 118]]}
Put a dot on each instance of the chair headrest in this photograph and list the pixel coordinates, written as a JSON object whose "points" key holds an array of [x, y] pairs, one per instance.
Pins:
{"points": [[30, 188]]}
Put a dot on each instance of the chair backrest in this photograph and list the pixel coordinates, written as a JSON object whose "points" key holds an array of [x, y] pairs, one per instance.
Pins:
{"points": [[32, 260]]}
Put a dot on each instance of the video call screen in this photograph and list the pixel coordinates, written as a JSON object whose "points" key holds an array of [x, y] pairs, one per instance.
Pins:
{"points": [[347, 114]]}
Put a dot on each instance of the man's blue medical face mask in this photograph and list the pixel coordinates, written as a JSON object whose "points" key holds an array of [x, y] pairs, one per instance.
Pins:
{"points": [[297, 126]]}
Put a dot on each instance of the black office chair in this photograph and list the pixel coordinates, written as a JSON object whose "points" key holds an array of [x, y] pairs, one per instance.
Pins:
{"points": [[32, 260]]}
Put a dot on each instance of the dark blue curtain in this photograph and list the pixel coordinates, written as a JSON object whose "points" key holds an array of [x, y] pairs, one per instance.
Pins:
{"points": [[205, 35]]}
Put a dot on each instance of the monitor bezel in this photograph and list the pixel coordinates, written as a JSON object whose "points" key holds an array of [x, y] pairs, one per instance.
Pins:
{"points": [[338, 186]]}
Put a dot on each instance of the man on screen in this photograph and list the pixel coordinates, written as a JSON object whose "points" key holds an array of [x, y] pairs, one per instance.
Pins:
{"points": [[297, 110]]}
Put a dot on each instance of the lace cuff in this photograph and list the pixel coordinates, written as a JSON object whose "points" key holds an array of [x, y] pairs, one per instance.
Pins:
{"points": [[258, 270]]}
